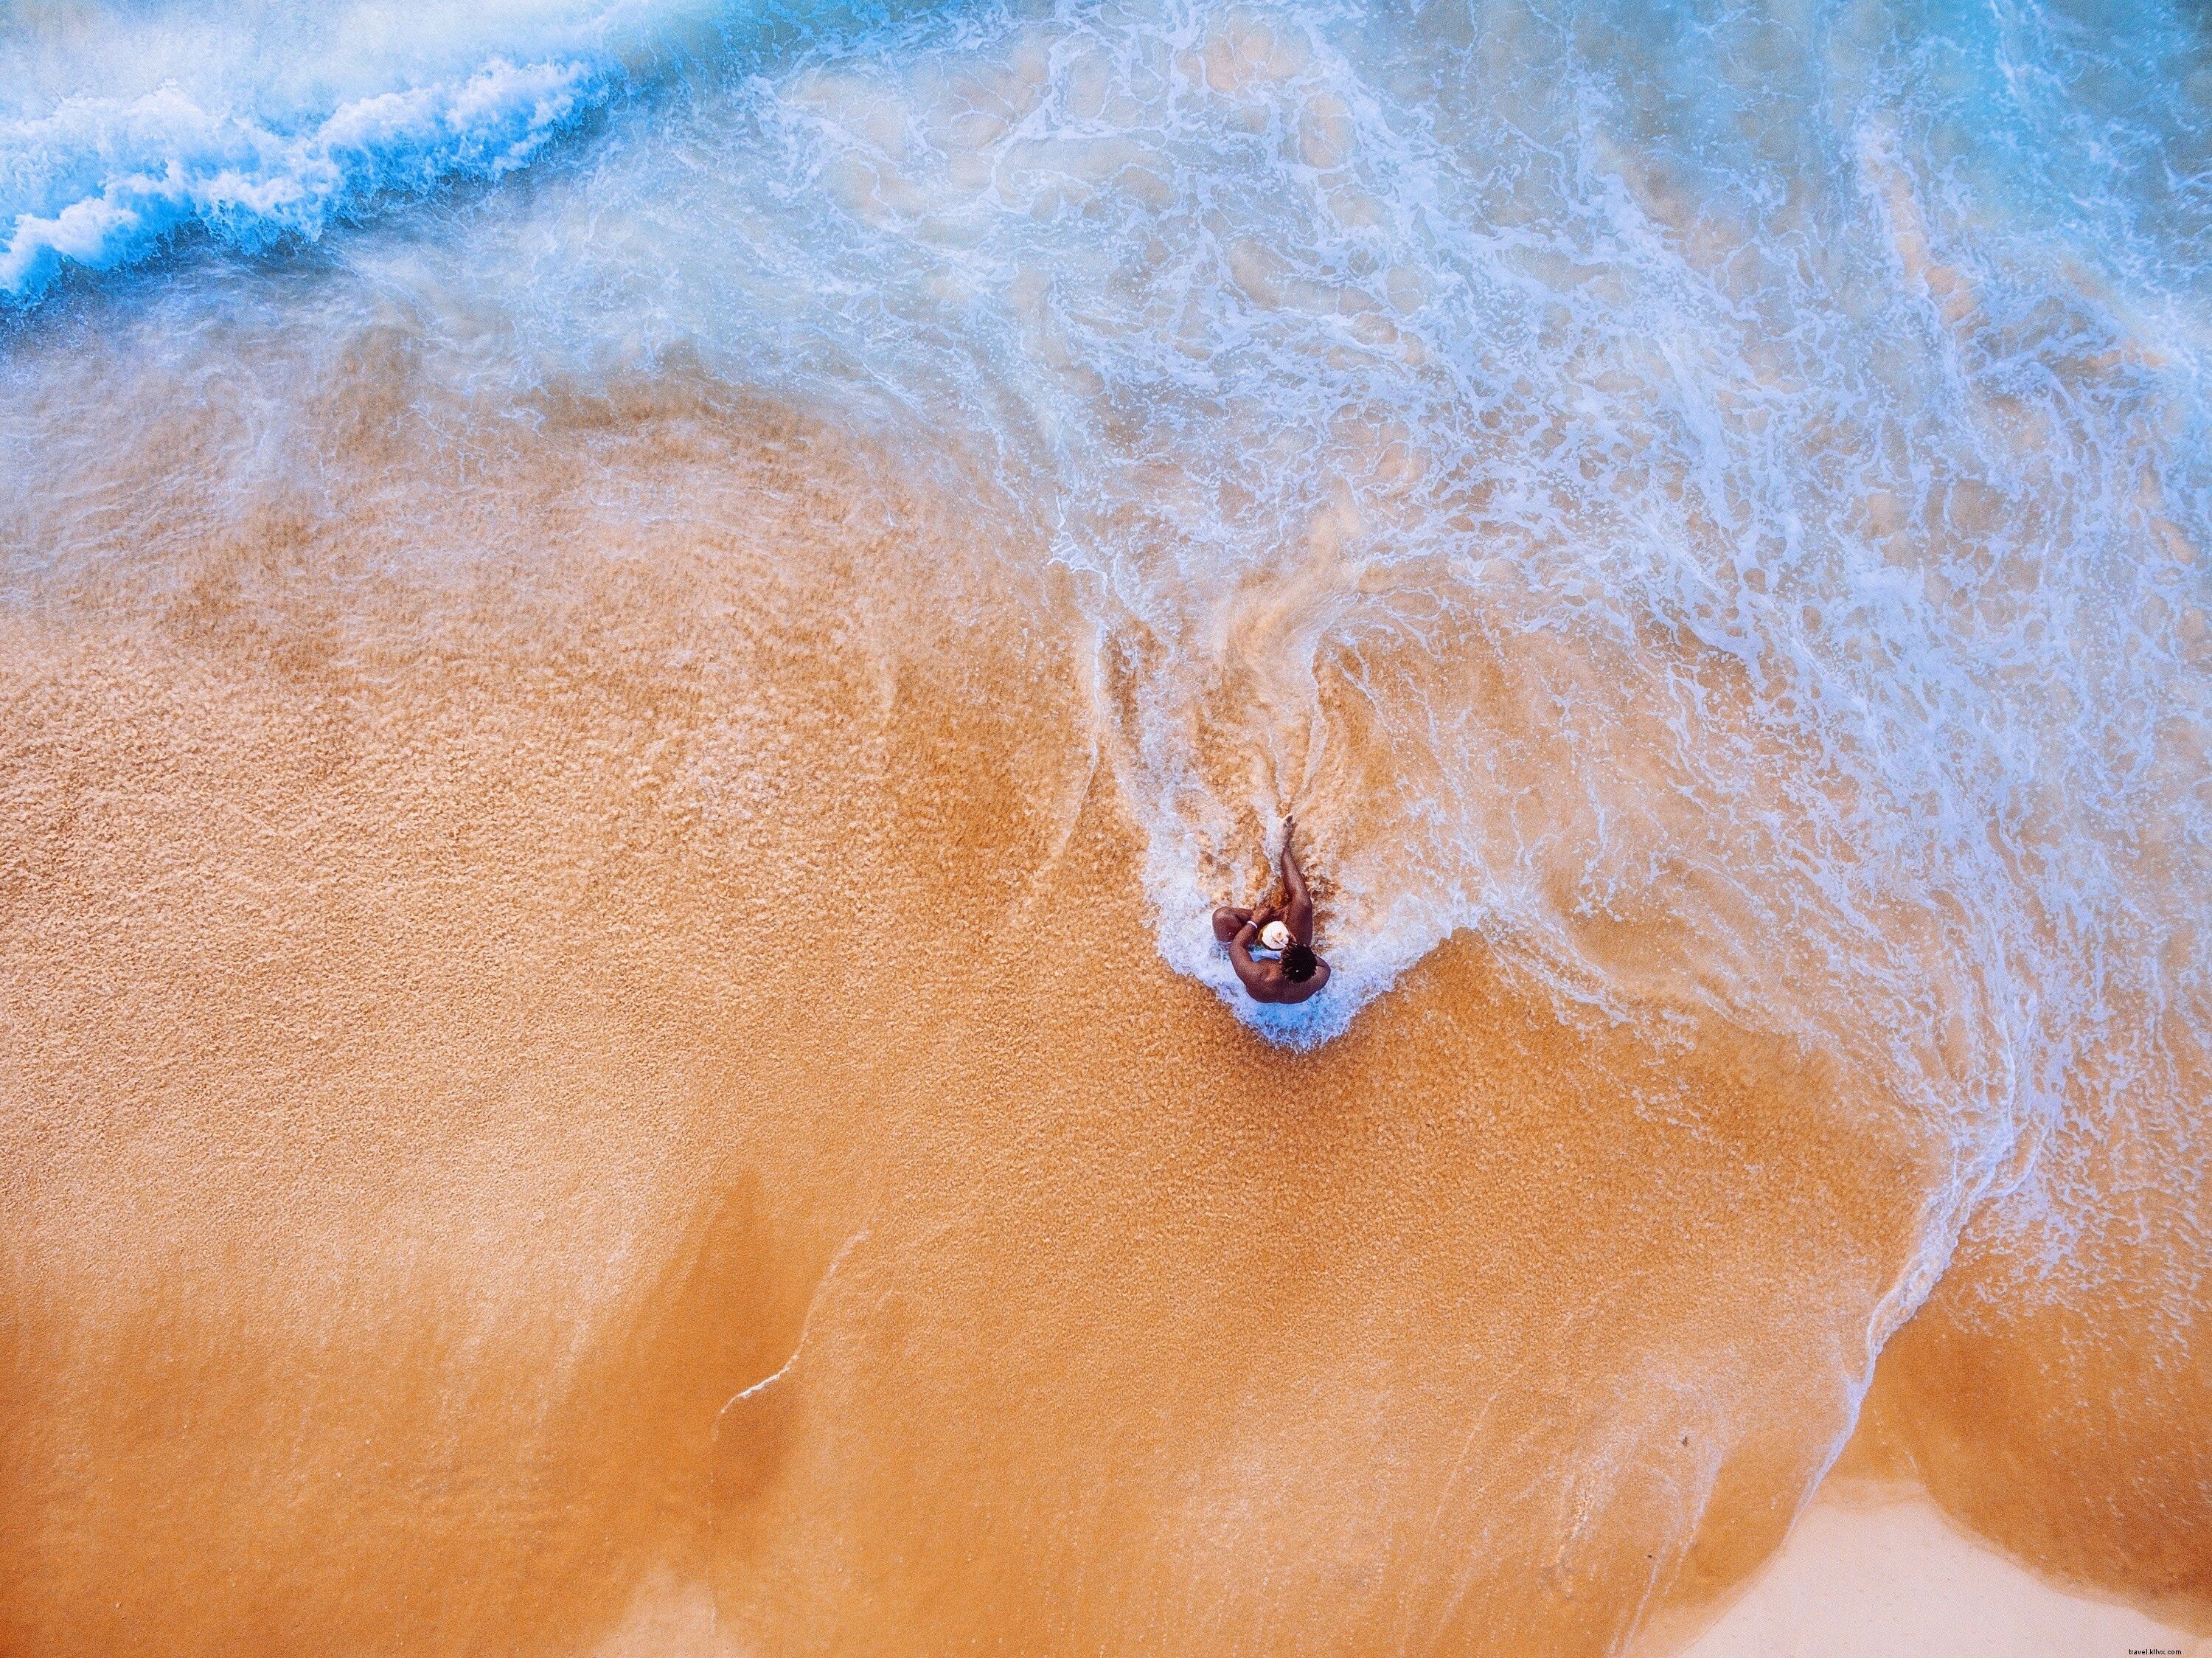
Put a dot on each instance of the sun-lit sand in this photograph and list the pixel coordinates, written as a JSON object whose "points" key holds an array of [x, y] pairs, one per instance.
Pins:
{"points": [[478, 1164], [1896, 1580], [483, 1168]]}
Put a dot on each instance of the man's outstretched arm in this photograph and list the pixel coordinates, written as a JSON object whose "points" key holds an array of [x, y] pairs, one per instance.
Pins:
{"points": [[1298, 908]]}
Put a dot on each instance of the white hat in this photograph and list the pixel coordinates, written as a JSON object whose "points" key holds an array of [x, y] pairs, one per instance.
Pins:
{"points": [[1275, 936]]}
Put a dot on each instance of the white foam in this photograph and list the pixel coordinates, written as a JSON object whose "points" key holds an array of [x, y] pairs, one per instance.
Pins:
{"points": [[120, 127]]}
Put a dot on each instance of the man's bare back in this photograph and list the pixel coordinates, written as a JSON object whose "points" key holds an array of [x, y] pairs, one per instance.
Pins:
{"points": [[1299, 973]]}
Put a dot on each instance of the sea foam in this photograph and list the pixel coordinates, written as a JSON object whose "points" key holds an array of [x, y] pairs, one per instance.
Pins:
{"points": [[120, 129]]}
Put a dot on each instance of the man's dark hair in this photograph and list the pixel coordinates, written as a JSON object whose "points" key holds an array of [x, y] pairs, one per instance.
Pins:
{"points": [[1298, 964]]}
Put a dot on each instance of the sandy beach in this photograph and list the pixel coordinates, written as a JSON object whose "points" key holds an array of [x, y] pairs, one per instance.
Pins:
{"points": [[516, 1146], [883, 1294]]}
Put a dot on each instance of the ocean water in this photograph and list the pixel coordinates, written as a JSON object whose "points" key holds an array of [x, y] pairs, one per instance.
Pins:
{"points": [[1705, 505]]}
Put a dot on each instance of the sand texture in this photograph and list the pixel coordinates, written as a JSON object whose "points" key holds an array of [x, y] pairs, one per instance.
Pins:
{"points": [[612, 1093]]}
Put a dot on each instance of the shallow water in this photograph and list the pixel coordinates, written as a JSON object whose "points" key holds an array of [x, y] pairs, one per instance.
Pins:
{"points": [[1699, 511]]}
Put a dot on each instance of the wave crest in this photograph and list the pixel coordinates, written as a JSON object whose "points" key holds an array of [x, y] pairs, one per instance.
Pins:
{"points": [[125, 175], [120, 129]]}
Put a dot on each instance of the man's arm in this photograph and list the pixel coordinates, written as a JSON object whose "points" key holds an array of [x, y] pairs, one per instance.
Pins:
{"points": [[1298, 908], [1240, 955]]}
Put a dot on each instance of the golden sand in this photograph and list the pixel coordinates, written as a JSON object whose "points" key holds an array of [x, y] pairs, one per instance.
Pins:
{"points": [[613, 1092]]}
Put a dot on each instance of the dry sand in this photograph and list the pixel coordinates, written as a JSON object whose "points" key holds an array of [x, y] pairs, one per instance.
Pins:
{"points": [[1897, 1580]]}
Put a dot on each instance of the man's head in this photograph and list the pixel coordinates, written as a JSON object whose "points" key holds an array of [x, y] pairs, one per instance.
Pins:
{"points": [[1298, 963]]}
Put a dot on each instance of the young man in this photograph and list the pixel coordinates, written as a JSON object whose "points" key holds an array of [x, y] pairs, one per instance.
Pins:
{"points": [[1299, 973]]}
